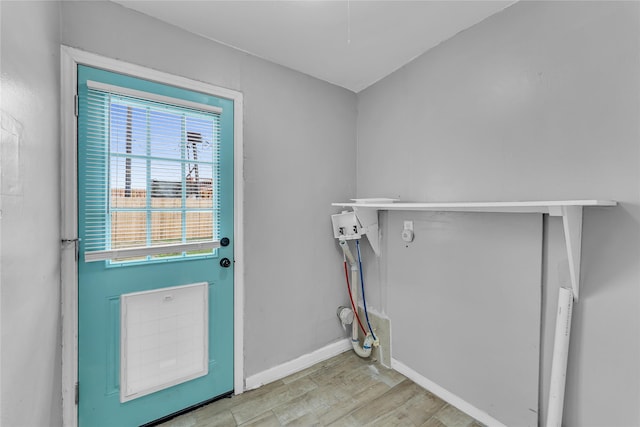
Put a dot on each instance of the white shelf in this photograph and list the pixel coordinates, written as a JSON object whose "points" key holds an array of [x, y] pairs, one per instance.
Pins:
{"points": [[545, 207], [569, 210]]}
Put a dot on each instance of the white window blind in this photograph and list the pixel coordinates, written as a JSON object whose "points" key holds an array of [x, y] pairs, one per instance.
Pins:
{"points": [[151, 176]]}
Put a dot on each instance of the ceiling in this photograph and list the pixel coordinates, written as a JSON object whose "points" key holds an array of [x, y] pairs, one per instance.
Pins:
{"points": [[352, 44]]}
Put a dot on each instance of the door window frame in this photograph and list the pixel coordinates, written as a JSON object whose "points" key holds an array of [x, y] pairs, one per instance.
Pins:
{"points": [[70, 59]]}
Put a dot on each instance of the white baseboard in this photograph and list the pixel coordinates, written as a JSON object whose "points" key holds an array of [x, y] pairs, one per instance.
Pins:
{"points": [[445, 395], [296, 365]]}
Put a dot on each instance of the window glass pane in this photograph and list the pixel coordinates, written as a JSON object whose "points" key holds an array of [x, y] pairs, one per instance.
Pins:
{"points": [[166, 228], [166, 181], [128, 129], [201, 135], [128, 229], [201, 252], [199, 182], [165, 132], [128, 182], [199, 226], [167, 255]]}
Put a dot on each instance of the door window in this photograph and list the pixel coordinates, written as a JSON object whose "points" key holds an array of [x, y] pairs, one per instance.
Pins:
{"points": [[153, 179]]}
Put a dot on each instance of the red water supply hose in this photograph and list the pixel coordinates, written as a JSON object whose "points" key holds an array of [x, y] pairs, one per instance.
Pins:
{"points": [[353, 306]]}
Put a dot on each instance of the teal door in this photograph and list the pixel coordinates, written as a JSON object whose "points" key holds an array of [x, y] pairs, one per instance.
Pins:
{"points": [[155, 265]]}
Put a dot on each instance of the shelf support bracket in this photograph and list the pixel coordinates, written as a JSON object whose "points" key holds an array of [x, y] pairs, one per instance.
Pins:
{"points": [[368, 218], [572, 224]]}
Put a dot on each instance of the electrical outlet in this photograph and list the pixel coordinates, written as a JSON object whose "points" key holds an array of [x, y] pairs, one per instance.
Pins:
{"points": [[407, 232]]}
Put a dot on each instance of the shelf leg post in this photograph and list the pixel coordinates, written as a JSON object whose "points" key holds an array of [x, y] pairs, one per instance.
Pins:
{"points": [[560, 358]]}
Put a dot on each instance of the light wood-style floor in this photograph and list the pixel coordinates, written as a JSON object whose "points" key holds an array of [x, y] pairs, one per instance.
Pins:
{"points": [[342, 391]]}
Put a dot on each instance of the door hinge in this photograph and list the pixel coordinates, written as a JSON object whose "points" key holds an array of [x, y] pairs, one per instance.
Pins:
{"points": [[77, 398], [75, 105]]}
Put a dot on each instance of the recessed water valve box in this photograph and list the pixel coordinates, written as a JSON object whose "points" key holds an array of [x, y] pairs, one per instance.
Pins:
{"points": [[346, 226]]}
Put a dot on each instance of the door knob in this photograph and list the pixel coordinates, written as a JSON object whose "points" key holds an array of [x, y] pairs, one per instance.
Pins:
{"points": [[224, 262]]}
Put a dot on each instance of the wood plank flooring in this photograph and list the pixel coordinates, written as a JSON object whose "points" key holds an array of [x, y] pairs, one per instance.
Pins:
{"points": [[343, 391]]}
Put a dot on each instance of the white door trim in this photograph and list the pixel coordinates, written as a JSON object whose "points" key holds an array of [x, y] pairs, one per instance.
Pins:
{"points": [[70, 59]]}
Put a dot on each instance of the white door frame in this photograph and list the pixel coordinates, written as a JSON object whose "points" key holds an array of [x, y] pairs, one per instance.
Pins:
{"points": [[70, 59]]}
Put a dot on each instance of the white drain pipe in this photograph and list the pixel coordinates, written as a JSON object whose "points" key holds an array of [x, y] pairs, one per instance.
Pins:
{"points": [[560, 358], [365, 350]]}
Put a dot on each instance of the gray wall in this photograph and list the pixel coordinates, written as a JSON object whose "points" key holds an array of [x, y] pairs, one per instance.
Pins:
{"points": [[30, 197], [464, 303], [538, 102]]}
